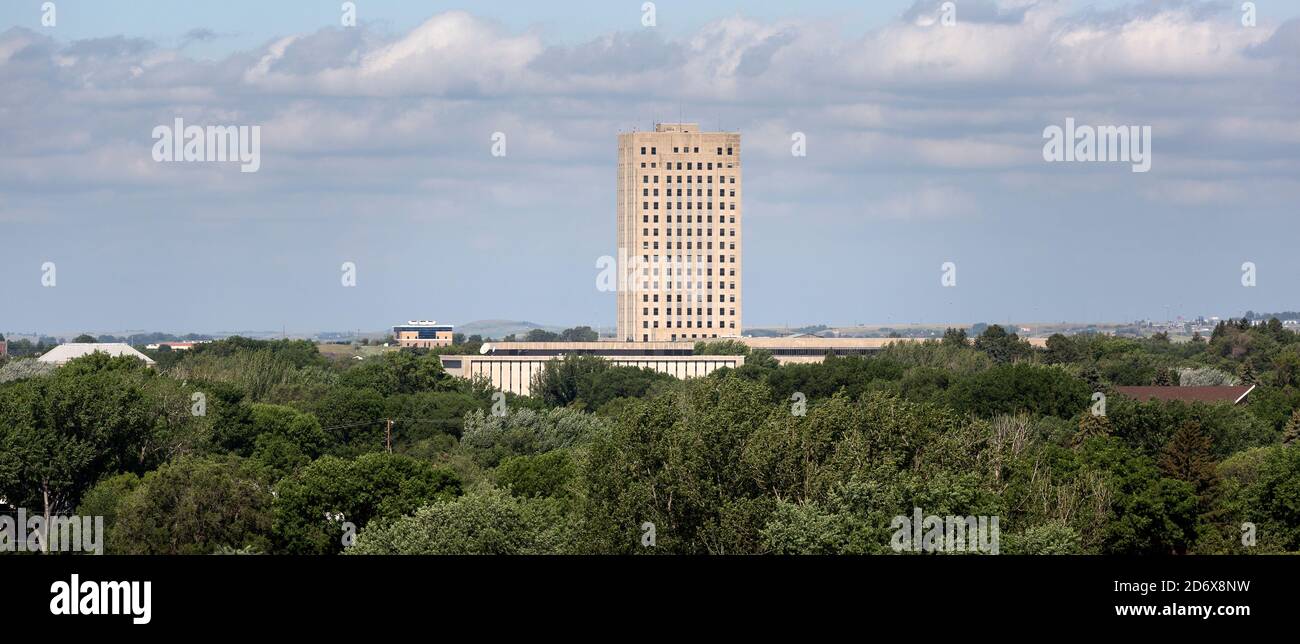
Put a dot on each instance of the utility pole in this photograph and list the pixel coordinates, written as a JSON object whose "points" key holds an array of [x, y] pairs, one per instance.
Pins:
{"points": [[389, 436]]}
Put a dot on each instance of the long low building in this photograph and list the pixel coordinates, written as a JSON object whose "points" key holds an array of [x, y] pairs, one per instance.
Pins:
{"points": [[515, 373], [785, 350], [511, 366]]}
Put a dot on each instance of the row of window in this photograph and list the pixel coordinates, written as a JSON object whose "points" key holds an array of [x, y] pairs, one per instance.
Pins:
{"points": [[645, 286], [699, 259], [668, 311], [699, 232], [699, 205], [645, 192], [669, 324], [668, 297], [645, 245], [679, 149], [678, 166], [668, 219], [722, 272], [645, 178]]}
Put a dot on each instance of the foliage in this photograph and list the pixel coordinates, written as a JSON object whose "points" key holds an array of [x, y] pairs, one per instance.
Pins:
{"points": [[312, 504], [194, 506], [490, 522]]}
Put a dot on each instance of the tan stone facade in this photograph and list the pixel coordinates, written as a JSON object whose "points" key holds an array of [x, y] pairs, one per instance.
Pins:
{"points": [[679, 234], [412, 339], [516, 373], [423, 334]]}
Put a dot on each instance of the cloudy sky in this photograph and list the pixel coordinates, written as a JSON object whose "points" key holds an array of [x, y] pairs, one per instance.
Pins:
{"points": [[924, 146]]}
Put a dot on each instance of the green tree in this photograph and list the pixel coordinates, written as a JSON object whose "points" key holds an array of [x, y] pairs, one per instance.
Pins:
{"points": [[1291, 434], [313, 504], [1001, 346], [490, 522], [1188, 457], [59, 435], [194, 506], [549, 475], [954, 337]]}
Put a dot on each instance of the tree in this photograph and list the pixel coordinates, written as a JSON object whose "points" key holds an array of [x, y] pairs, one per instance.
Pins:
{"points": [[557, 383], [1021, 387], [312, 505], [579, 334], [1092, 426], [61, 434], [84, 338], [1165, 378], [1001, 346], [954, 337], [287, 439], [541, 335], [490, 439], [194, 506], [547, 475], [1149, 513], [106, 497], [398, 372], [491, 522], [1188, 457], [1291, 434], [1246, 373]]}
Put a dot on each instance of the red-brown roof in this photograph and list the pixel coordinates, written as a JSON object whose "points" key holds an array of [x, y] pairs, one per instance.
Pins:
{"points": [[1229, 394]]}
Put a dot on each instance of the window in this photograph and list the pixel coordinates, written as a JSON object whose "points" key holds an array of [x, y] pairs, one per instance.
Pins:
{"points": [[728, 151], [654, 151], [643, 149]]}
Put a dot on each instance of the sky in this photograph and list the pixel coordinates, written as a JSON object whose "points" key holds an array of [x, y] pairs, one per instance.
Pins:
{"points": [[924, 146]]}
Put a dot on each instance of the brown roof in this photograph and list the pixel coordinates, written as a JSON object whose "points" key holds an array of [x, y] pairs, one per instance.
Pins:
{"points": [[1228, 394]]}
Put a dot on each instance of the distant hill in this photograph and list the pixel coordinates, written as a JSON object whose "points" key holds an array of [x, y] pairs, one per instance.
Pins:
{"points": [[500, 328]]}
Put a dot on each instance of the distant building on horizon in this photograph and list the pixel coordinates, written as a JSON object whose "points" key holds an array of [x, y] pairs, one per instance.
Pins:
{"points": [[174, 346], [679, 234], [423, 334]]}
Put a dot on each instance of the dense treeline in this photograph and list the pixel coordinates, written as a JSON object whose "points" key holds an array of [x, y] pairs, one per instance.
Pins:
{"points": [[267, 446]]}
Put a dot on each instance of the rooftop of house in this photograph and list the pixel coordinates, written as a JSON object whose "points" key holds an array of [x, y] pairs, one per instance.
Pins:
{"points": [[1233, 394]]}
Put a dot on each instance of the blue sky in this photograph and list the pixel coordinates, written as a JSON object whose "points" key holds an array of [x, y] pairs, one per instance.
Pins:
{"points": [[924, 147]]}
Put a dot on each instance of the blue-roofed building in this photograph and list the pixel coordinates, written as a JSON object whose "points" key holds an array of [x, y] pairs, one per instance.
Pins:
{"points": [[423, 334]]}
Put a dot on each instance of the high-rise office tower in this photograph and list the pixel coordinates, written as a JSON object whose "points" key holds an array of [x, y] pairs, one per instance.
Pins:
{"points": [[679, 234]]}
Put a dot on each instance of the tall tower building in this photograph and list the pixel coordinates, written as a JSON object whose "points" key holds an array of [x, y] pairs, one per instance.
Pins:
{"points": [[679, 234]]}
